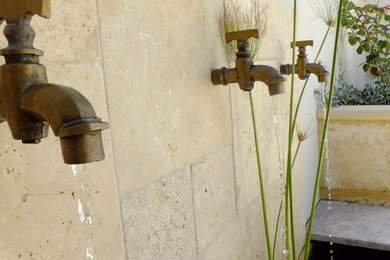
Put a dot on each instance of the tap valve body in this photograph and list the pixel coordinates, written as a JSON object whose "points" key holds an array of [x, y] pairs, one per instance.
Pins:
{"points": [[245, 73]]}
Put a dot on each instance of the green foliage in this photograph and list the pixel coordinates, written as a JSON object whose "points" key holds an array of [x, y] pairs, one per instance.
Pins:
{"points": [[346, 94], [368, 28], [370, 95]]}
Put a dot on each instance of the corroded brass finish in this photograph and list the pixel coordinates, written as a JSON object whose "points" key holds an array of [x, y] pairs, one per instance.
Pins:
{"points": [[30, 104], [302, 67], [245, 73], [14, 10]]}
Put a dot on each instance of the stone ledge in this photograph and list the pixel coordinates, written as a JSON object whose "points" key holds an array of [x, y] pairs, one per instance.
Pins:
{"points": [[374, 112], [364, 196]]}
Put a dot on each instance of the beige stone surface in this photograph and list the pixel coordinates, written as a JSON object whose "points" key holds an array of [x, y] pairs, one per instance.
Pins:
{"points": [[276, 43], [214, 195], [73, 28], [166, 108], [39, 209], [242, 239], [358, 159], [159, 220]]}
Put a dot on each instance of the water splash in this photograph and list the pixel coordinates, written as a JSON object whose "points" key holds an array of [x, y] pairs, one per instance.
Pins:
{"points": [[83, 209]]}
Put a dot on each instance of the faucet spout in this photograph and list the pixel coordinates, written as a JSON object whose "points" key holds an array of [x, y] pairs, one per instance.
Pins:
{"points": [[269, 76], [71, 117], [318, 70]]}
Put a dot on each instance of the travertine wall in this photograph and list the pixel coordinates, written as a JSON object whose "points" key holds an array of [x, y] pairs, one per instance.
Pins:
{"points": [[179, 180]]}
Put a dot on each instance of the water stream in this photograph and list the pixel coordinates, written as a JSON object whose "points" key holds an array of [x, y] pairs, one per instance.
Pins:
{"points": [[328, 176], [83, 209], [281, 170]]}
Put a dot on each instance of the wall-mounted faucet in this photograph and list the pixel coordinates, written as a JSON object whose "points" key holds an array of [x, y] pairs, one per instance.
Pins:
{"points": [[302, 67], [245, 73], [29, 103]]}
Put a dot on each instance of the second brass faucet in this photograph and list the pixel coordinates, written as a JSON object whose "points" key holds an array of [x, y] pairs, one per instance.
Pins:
{"points": [[302, 67]]}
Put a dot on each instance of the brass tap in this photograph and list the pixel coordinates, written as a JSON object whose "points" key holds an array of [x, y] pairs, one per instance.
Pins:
{"points": [[30, 104], [302, 67], [245, 73]]}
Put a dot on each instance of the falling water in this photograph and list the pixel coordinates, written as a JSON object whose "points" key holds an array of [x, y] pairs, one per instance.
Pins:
{"points": [[83, 209], [328, 177], [281, 170]]}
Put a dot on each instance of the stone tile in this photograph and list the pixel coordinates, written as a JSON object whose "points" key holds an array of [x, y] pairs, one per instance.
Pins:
{"points": [[173, 115], [242, 239], [352, 224], [214, 195], [71, 34], [159, 220]]}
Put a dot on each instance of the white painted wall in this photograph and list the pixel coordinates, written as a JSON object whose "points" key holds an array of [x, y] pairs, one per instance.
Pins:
{"points": [[311, 28]]}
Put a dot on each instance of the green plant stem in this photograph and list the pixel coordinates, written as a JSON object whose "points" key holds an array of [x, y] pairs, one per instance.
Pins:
{"points": [[262, 193], [324, 135], [296, 153], [289, 207], [322, 44], [276, 229]]}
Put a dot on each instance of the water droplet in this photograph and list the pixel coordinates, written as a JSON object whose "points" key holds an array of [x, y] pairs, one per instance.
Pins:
{"points": [[89, 255], [81, 211], [285, 251], [74, 169], [284, 229]]}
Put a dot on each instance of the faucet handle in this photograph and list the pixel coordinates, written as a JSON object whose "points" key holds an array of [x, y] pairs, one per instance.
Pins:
{"points": [[302, 44], [13, 10], [241, 35]]}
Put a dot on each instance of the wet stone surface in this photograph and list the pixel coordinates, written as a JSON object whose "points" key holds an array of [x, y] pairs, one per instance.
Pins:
{"points": [[352, 224]]}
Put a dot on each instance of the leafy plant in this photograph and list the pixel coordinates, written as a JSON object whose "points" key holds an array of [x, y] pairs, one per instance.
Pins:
{"points": [[368, 28], [346, 94]]}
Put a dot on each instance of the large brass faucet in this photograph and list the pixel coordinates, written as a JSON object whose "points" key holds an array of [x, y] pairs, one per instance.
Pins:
{"points": [[302, 67], [29, 103], [245, 73]]}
